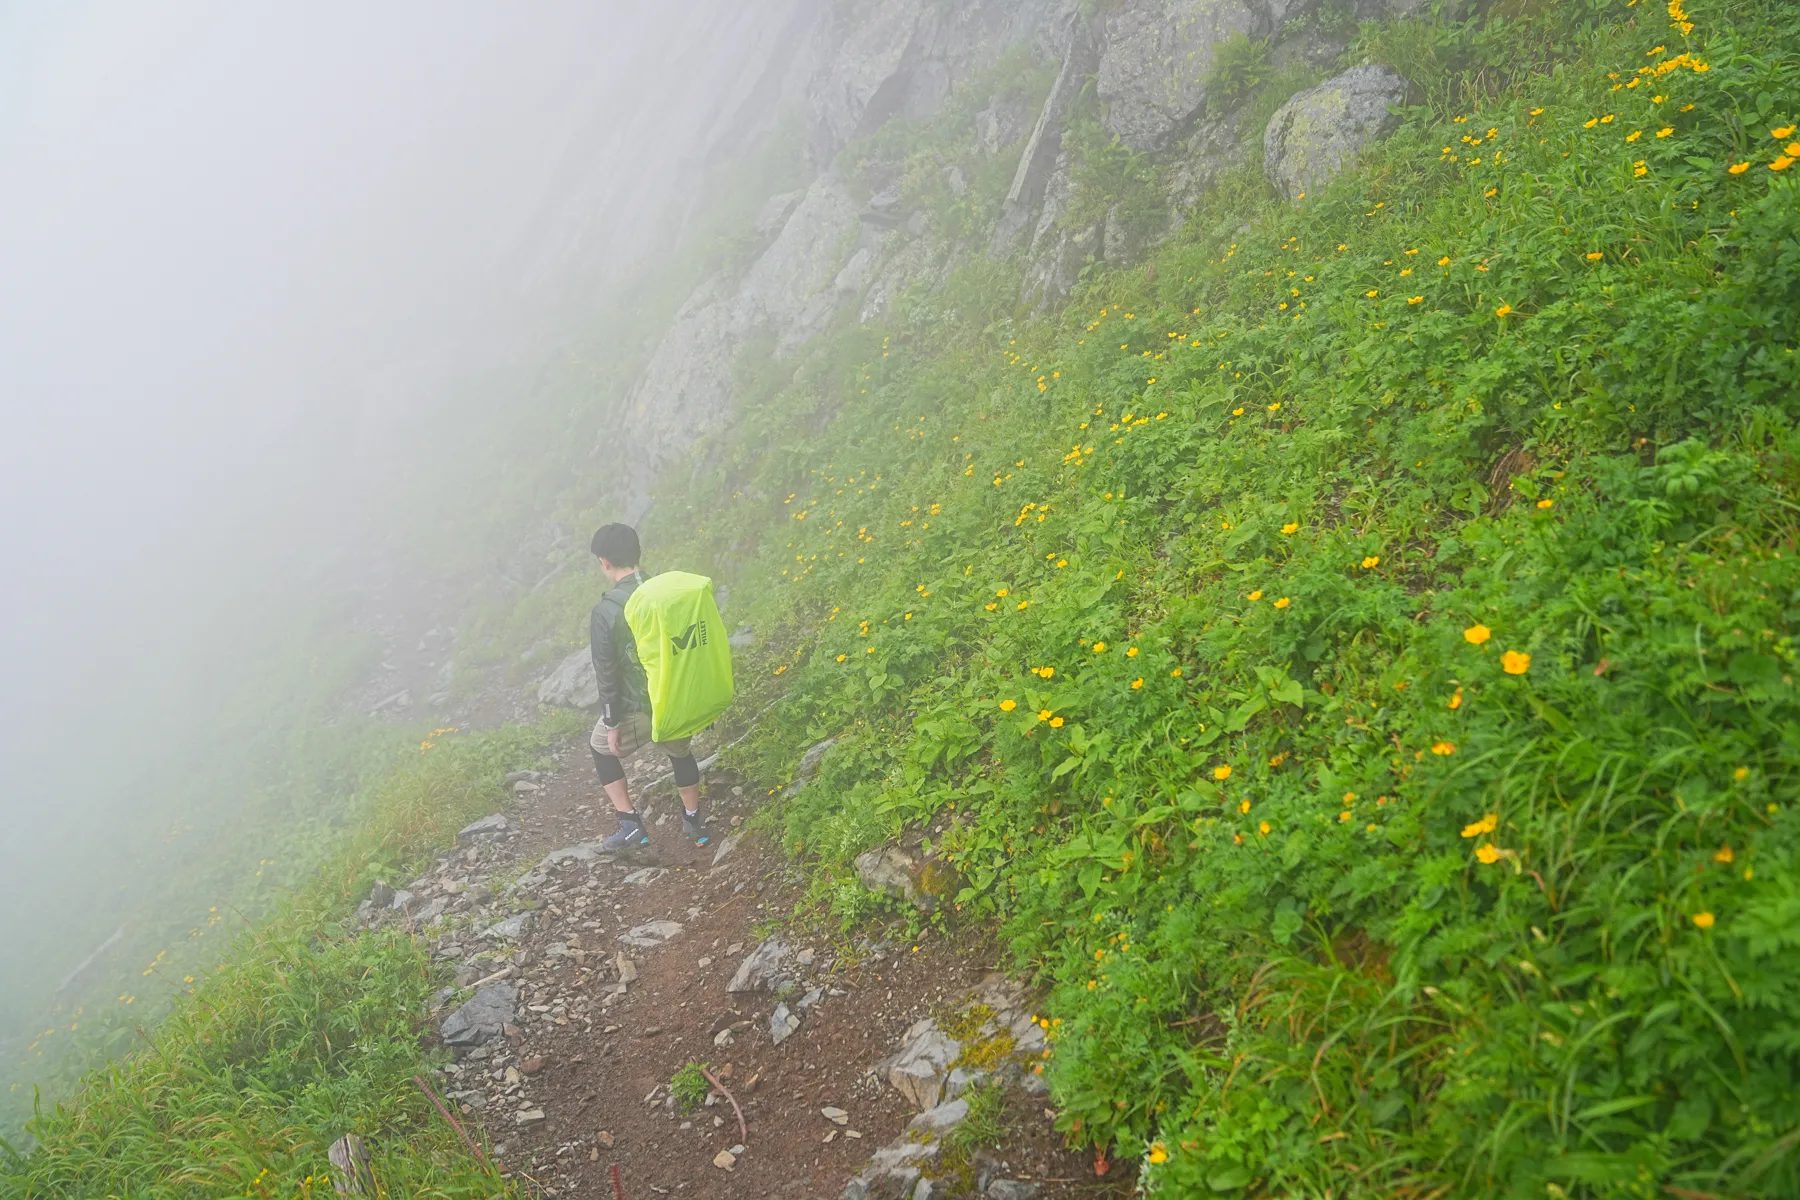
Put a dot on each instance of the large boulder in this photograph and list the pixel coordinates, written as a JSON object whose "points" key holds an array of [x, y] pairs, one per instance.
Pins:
{"points": [[1319, 133], [572, 684], [1159, 54]]}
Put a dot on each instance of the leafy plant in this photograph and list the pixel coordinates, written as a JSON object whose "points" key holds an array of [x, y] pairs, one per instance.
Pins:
{"points": [[1240, 65], [689, 1086]]}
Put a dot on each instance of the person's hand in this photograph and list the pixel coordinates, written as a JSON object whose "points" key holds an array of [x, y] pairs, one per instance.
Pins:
{"points": [[612, 741]]}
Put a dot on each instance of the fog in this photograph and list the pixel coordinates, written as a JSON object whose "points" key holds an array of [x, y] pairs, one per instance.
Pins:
{"points": [[251, 251]]}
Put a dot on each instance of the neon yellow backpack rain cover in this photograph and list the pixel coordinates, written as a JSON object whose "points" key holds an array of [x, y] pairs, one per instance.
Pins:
{"points": [[681, 642]]}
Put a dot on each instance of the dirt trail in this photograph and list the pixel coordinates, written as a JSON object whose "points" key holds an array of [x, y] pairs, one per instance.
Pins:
{"points": [[581, 1081]]}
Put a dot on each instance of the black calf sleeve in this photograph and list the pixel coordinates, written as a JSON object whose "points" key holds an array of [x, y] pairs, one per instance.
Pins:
{"points": [[687, 771], [608, 767]]}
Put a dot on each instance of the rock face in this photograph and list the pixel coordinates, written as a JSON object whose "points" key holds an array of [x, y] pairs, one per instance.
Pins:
{"points": [[1319, 133], [482, 1016], [572, 684], [1159, 53]]}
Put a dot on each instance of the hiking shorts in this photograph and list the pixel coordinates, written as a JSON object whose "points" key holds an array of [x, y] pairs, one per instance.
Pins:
{"points": [[634, 735]]}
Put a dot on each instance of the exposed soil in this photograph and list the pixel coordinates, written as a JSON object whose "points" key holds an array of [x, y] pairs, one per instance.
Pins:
{"points": [[600, 1075]]}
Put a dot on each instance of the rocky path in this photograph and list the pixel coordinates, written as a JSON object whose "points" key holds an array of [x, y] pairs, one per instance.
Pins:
{"points": [[586, 984]]}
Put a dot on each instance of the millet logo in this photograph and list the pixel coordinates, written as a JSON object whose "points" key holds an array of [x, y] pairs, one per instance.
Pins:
{"points": [[694, 635]]}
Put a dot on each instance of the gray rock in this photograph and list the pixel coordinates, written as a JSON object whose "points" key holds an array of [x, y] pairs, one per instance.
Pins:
{"points": [[782, 1023], [651, 933], [894, 1171], [1058, 252], [730, 843], [1159, 53], [811, 999], [487, 826], [645, 876], [939, 1120], [888, 870], [580, 852], [431, 910], [743, 639], [482, 1016], [1042, 157], [1319, 134], [809, 762], [403, 901], [774, 214], [761, 967], [921, 1068], [1012, 1189], [381, 895], [512, 928], [572, 683]]}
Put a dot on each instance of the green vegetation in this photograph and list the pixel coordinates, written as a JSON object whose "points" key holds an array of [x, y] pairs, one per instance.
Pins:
{"points": [[1354, 657], [303, 1031], [689, 1086]]}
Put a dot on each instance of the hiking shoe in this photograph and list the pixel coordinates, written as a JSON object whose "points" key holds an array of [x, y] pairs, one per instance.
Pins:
{"points": [[694, 825], [631, 836]]}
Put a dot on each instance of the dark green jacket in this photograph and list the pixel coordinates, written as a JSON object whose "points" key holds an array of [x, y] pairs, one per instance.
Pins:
{"points": [[623, 688]]}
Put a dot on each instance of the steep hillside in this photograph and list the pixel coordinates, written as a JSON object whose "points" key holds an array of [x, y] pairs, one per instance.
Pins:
{"points": [[1351, 653], [1346, 652]]}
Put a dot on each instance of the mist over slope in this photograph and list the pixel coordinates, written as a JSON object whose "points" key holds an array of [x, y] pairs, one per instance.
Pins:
{"points": [[278, 282]]}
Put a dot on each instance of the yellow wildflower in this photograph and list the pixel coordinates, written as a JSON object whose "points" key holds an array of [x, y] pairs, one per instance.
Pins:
{"points": [[1487, 824], [1515, 663], [1704, 920], [1488, 853], [1222, 771], [1477, 634], [1443, 748], [1283, 602], [1290, 527], [1008, 705], [1370, 562]]}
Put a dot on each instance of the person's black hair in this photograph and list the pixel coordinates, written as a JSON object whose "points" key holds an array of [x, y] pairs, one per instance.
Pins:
{"points": [[617, 544]]}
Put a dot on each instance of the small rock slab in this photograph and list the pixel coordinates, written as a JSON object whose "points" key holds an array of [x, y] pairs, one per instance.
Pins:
{"points": [[1012, 1189], [782, 1023], [921, 1068], [486, 827], [645, 876], [760, 968], [934, 1122], [889, 871], [583, 852], [513, 928], [727, 846], [651, 933], [482, 1017]]}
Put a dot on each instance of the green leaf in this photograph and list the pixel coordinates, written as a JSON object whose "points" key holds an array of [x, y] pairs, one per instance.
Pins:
{"points": [[1229, 1179]]}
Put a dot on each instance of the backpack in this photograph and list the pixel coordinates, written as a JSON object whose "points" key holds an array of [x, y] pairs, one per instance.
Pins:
{"points": [[681, 643]]}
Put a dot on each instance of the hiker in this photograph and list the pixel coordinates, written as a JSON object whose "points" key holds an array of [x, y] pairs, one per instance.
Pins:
{"points": [[689, 678]]}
